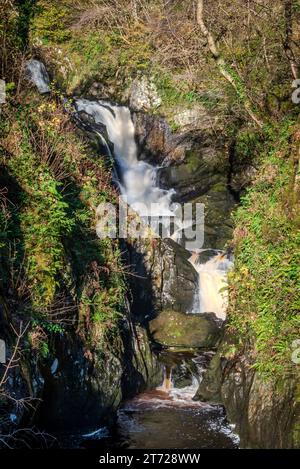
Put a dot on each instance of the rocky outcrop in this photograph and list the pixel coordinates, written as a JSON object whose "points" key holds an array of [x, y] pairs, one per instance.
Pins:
{"points": [[143, 95], [83, 381], [196, 164], [266, 412], [157, 143], [203, 178], [196, 117]]}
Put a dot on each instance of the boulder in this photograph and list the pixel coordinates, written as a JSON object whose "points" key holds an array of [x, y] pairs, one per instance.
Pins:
{"points": [[38, 75], [174, 329]]}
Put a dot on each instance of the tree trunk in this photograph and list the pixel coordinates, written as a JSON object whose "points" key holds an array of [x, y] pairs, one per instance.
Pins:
{"points": [[288, 14]]}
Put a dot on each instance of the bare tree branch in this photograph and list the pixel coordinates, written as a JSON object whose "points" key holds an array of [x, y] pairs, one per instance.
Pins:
{"points": [[223, 67], [14, 359]]}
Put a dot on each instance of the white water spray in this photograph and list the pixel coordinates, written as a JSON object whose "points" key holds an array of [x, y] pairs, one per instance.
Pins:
{"points": [[178, 396]]}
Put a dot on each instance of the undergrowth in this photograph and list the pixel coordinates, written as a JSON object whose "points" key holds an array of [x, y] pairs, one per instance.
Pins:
{"points": [[52, 263], [264, 287]]}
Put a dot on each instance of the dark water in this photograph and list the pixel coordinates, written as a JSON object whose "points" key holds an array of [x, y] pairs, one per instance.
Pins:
{"points": [[182, 427], [167, 417], [158, 420]]}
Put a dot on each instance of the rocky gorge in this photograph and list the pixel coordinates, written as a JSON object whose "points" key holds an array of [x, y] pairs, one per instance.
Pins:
{"points": [[98, 321]]}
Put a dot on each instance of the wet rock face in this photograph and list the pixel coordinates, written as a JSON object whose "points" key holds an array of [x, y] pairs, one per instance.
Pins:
{"points": [[182, 375], [89, 382], [210, 386], [83, 391], [185, 366], [163, 278], [195, 163], [157, 144], [178, 285], [218, 224], [81, 386], [265, 412], [173, 329], [202, 169]]}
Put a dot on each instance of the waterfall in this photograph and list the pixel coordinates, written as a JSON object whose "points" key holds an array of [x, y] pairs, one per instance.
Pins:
{"points": [[167, 382], [137, 179], [138, 183], [177, 395], [213, 295]]}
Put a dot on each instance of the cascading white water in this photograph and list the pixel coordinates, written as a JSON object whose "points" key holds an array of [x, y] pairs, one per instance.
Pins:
{"points": [[213, 295], [138, 184], [137, 178], [169, 395]]}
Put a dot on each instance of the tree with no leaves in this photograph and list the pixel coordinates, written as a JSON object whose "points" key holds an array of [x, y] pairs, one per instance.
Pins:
{"points": [[223, 67]]}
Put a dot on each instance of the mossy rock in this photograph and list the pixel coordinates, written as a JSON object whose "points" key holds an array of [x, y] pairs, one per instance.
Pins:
{"points": [[210, 386], [174, 329]]}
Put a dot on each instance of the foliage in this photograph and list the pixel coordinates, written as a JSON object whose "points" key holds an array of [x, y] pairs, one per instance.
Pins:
{"points": [[248, 145], [264, 287], [59, 271], [26, 10], [49, 23], [161, 39]]}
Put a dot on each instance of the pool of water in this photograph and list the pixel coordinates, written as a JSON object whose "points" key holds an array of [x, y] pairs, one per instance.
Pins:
{"points": [[161, 419], [167, 417], [154, 420]]}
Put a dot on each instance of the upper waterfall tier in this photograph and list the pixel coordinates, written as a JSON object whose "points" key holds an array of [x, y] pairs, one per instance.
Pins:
{"points": [[137, 178]]}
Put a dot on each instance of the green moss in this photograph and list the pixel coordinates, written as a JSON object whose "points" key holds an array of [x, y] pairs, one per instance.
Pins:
{"points": [[173, 329], [248, 145], [193, 159]]}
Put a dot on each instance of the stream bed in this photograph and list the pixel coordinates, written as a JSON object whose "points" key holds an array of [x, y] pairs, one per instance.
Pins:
{"points": [[151, 421], [156, 420], [169, 417]]}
